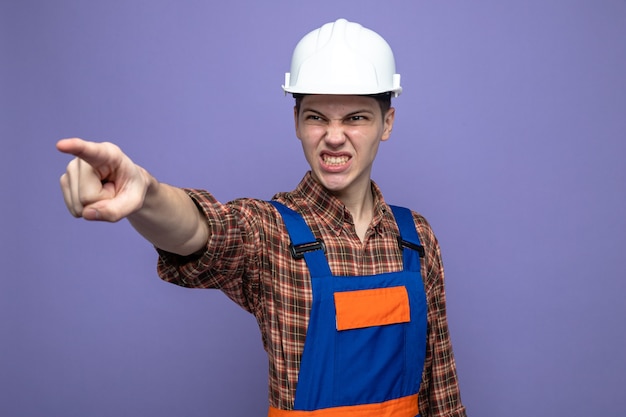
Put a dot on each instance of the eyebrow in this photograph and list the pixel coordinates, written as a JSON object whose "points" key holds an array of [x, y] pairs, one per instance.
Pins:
{"points": [[319, 113]]}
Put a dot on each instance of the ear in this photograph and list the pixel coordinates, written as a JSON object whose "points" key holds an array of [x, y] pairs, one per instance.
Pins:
{"points": [[388, 123], [295, 121]]}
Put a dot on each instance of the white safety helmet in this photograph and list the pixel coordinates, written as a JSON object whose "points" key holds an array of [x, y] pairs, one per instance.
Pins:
{"points": [[342, 58]]}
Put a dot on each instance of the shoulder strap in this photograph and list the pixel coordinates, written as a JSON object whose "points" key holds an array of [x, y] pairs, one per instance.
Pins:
{"points": [[408, 240], [408, 234], [303, 244]]}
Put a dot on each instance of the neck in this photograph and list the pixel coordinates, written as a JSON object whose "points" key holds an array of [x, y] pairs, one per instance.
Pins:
{"points": [[361, 207]]}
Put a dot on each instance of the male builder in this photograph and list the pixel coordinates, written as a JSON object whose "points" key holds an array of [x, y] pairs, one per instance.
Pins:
{"points": [[348, 291]]}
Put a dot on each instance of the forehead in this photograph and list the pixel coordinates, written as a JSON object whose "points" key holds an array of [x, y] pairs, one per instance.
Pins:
{"points": [[340, 103]]}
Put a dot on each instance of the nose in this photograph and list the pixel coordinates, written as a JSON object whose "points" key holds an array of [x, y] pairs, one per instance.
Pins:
{"points": [[335, 134]]}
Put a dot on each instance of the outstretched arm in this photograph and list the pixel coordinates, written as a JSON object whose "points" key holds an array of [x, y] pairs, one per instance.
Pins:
{"points": [[102, 183]]}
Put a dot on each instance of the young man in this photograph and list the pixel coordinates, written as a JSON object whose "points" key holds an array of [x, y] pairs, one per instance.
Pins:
{"points": [[348, 291]]}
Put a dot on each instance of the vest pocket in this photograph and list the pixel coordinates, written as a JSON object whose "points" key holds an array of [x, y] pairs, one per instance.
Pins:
{"points": [[373, 307]]}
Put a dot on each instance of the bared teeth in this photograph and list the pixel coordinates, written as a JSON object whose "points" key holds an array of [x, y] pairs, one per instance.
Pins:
{"points": [[335, 160]]}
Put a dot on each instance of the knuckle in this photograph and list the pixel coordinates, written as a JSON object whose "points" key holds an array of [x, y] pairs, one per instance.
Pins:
{"points": [[85, 199], [111, 147]]}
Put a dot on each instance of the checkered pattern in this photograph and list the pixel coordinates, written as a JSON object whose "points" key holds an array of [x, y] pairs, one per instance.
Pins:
{"points": [[247, 257]]}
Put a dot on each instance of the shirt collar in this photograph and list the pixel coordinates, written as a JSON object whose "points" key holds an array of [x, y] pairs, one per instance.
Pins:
{"points": [[332, 210]]}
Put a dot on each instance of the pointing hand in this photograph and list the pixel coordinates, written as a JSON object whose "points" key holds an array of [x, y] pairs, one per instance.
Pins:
{"points": [[101, 182]]}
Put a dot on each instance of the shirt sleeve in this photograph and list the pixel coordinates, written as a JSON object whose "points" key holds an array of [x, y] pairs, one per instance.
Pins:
{"points": [[228, 262], [439, 393]]}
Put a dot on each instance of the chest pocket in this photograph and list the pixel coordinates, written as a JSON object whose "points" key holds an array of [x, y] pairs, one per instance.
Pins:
{"points": [[372, 307]]}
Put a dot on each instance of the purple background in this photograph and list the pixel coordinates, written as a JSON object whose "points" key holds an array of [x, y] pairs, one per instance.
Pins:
{"points": [[510, 138]]}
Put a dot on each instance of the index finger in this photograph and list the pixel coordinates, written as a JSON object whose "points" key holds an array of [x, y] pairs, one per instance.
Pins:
{"points": [[91, 152]]}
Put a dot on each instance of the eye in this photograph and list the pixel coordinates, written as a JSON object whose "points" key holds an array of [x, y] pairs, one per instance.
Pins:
{"points": [[312, 116], [355, 118]]}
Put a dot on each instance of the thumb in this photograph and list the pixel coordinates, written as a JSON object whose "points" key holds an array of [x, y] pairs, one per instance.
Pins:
{"points": [[121, 204]]}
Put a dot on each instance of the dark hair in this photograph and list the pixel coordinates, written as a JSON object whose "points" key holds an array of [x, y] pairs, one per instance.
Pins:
{"points": [[383, 99]]}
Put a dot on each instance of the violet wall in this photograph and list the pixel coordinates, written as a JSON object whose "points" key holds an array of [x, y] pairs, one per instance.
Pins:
{"points": [[510, 138]]}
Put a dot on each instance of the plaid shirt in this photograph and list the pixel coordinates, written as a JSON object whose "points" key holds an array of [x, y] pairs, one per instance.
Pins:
{"points": [[247, 257]]}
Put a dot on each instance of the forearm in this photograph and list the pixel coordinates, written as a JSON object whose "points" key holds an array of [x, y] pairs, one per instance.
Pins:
{"points": [[170, 220], [444, 393]]}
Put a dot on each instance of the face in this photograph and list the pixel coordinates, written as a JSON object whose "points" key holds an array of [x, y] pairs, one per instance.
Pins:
{"points": [[340, 137]]}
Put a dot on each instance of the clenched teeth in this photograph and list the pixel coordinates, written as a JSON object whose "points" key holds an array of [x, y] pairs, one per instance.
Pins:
{"points": [[335, 160]]}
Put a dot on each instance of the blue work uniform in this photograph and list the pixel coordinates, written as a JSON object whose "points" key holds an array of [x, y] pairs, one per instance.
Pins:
{"points": [[366, 338]]}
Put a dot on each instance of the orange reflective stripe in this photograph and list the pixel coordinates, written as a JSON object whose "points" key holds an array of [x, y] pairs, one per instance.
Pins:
{"points": [[375, 307], [401, 407]]}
